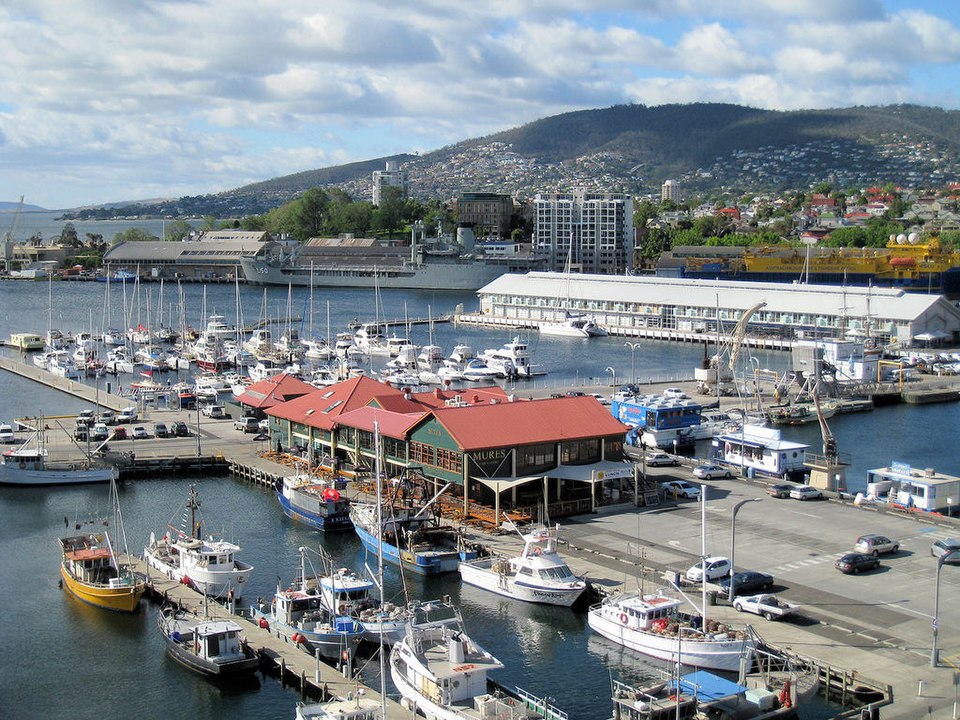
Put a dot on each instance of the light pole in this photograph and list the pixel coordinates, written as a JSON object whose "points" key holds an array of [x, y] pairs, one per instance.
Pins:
{"points": [[949, 558], [633, 349], [197, 403], [614, 373], [733, 540]]}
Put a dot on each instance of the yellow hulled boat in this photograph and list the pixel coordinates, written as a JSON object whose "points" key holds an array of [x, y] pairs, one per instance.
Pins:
{"points": [[93, 572]]}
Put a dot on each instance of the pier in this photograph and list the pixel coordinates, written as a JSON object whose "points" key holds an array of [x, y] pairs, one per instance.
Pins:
{"points": [[278, 656], [94, 395]]}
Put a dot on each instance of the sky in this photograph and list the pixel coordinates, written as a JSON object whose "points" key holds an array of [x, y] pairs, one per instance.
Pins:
{"points": [[115, 100]]}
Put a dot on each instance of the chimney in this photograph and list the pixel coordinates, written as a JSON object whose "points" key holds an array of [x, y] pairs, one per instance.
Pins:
{"points": [[406, 394], [476, 398], [437, 394]]}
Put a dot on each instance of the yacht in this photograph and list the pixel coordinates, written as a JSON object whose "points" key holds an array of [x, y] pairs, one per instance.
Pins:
{"points": [[512, 359], [578, 326]]}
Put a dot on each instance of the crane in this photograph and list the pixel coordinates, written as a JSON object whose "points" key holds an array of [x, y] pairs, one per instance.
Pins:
{"points": [[739, 332]]}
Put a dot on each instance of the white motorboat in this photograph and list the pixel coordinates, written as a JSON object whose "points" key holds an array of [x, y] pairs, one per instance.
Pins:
{"points": [[538, 575], [259, 343], [477, 370], [654, 625], [355, 706], [317, 349], [578, 326], [209, 564], [371, 340], [512, 359], [60, 363], [443, 673]]}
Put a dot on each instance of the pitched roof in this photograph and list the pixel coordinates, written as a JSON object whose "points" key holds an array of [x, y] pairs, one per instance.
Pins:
{"points": [[471, 396], [506, 424], [392, 424], [274, 390], [321, 407]]}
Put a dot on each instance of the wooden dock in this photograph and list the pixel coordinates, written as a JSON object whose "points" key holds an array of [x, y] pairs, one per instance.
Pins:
{"points": [[278, 656]]}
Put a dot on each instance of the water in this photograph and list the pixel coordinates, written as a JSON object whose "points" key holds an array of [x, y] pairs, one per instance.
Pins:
{"points": [[66, 659], [48, 226]]}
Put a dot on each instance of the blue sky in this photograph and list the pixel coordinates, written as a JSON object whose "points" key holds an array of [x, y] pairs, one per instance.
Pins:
{"points": [[112, 100]]}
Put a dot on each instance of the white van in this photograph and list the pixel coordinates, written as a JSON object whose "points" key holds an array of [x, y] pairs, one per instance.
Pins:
{"points": [[6, 434], [127, 415]]}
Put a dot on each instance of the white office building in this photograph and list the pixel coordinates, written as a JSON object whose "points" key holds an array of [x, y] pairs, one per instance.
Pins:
{"points": [[593, 230], [393, 176]]}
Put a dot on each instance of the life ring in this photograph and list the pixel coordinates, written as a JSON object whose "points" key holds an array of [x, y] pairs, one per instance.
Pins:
{"points": [[342, 608], [623, 618]]}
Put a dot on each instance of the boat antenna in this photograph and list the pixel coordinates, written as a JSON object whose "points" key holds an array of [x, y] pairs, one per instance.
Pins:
{"points": [[383, 663]]}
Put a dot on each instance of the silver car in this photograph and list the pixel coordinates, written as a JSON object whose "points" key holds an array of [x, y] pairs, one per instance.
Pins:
{"points": [[946, 546], [876, 545]]}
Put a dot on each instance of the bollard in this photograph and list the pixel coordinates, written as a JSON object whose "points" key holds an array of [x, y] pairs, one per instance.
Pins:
{"points": [[920, 688]]}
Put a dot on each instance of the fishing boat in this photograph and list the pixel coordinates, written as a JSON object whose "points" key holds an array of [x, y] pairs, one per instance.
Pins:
{"points": [[313, 501], [537, 575], [208, 564], [443, 673], [27, 466], [653, 624], [92, 570], [348, 593], [355, 706], [299, 613], [207, 646], [410, 536]]}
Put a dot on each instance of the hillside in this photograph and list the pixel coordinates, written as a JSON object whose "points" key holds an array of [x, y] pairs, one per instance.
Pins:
{"points": [[708, 148]]}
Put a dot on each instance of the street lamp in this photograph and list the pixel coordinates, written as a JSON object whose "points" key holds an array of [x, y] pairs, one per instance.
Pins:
{"points": [[951, 558], [614, 373], [733, 540], [633, 349]]}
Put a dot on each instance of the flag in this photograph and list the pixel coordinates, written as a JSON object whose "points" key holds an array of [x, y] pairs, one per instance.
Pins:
{"points": [[147, 374]]}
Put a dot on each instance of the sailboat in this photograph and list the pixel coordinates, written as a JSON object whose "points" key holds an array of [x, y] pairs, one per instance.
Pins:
{"points": [[655, 625], [93, 572], [572, 324]]}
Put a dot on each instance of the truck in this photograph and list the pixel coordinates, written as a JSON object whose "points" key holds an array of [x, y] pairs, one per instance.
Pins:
{"points": [[769, 606]]}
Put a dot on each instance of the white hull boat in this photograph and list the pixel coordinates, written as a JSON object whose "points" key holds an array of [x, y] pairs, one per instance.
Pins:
{"points": [[538, 575]]}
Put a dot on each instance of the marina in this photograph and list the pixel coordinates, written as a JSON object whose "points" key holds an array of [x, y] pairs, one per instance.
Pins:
{"points": [[593, 544]]}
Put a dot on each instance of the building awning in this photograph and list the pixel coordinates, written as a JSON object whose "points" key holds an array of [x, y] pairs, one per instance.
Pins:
{"points": [[499, 484], [594, 472]]}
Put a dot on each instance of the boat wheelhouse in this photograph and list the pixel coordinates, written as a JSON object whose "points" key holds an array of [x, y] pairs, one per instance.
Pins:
{"points": [[761, 451]]}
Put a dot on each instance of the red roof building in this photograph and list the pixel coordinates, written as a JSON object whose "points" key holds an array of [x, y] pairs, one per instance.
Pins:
{"points": [[275, 390]]}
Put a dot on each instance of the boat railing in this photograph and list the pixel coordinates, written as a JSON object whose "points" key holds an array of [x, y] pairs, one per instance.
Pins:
{"points": [[540, 705]]}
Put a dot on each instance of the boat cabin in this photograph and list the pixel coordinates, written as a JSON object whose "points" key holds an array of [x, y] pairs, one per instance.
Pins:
{"points": [[89, 562], [925, 490], [26, 341], [218, 640], [760, 451], [346, 592], [644, 612], [659, 421]]}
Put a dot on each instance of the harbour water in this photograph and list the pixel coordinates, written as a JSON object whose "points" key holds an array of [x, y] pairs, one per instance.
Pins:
{"points": [[65, 659]]}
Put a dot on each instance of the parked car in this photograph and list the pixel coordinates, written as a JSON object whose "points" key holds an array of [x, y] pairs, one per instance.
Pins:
{"points": [[160, 430], [946, 546], [769, 606], [709, 472], [675, 393], [180, 429], [876, 545], [779, 491], [716, 568], [127, 415], [855, 563], [81, 432], [6, 434], [140, 433], [247, 424], [107, 417], [575, 393], [264, 425], [86, 417], [805, 492], [681, 488], [100, 432], [214, 411], [658, 459], [748, 582], [119, 433]]}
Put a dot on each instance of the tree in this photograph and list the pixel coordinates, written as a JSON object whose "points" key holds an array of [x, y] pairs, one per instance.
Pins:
{"points": [[133, 234], [209, 223], [177, 230], [308, 213], [389, 215], [69, 237], [846, 237]]}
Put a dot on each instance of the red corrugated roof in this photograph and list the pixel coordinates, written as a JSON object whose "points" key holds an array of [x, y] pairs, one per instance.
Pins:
{"points": [[274, 390], [528, 422], [392, 424], [475, 396], [321, 407]]}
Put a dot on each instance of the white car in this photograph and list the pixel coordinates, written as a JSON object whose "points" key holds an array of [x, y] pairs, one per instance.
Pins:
{"points": [[675, 393], [6, 434], [716, 568], [681, 488], [805, 492]]}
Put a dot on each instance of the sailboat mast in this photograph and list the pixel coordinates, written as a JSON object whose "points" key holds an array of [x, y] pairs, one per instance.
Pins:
{"points": [[703, 553], [377, 468]]}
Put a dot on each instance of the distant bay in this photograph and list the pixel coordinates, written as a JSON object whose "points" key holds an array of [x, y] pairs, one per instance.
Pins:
{"points": [[49, 226]]}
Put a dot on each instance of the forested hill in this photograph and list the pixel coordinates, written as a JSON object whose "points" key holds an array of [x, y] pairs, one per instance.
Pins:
{"points": [[707, 147]]}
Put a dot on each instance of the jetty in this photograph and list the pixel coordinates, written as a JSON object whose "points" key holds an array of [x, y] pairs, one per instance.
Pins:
{"points": [[278, 655]]}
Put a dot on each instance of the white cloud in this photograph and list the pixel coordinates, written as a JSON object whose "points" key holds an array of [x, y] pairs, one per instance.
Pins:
{"points": [[109, 96]]}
